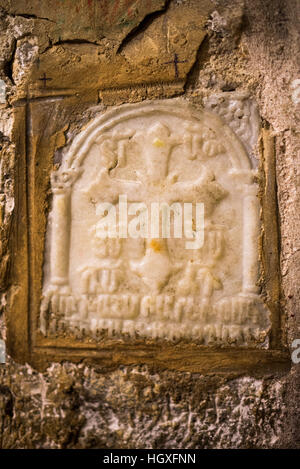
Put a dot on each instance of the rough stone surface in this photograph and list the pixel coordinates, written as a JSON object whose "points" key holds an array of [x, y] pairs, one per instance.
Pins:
{"points": [[249, 46], [78, 407]]}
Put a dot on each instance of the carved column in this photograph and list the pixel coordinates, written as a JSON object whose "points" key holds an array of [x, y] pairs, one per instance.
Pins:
{"points": [[251, 229], [61, 217], [251, 232]]}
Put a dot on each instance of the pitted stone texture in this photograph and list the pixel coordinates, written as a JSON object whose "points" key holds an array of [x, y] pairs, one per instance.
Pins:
{"points": [[241, 114], [73, 406]]}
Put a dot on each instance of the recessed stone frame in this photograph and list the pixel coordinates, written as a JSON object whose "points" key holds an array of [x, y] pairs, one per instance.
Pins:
{"points": [[26, 342]]}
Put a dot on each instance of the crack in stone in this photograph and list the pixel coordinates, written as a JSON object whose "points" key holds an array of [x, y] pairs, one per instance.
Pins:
{"points": [[75, 41], [8, 65], [25, 15], [34, 17], [143, 25], [193, 72]]}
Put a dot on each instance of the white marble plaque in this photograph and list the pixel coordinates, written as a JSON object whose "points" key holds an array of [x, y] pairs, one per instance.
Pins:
{"points": [[154, 231]]}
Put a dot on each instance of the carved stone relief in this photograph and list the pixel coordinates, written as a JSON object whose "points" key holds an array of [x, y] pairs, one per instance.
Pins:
{"points": [[137, 280], [241, 114]]}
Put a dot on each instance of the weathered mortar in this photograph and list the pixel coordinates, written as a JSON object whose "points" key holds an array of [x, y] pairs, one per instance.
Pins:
{"points": [[250, 47]]}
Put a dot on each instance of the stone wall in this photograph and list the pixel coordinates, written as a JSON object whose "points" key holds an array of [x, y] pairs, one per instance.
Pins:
{"points": [[118, 55]]}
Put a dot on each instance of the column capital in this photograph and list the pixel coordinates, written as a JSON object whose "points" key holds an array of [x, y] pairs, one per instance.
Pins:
{"points": [[62, 180]]}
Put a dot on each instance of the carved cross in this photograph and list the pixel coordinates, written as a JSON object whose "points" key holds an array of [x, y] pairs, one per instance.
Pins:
{"points": [[154, 185]]}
